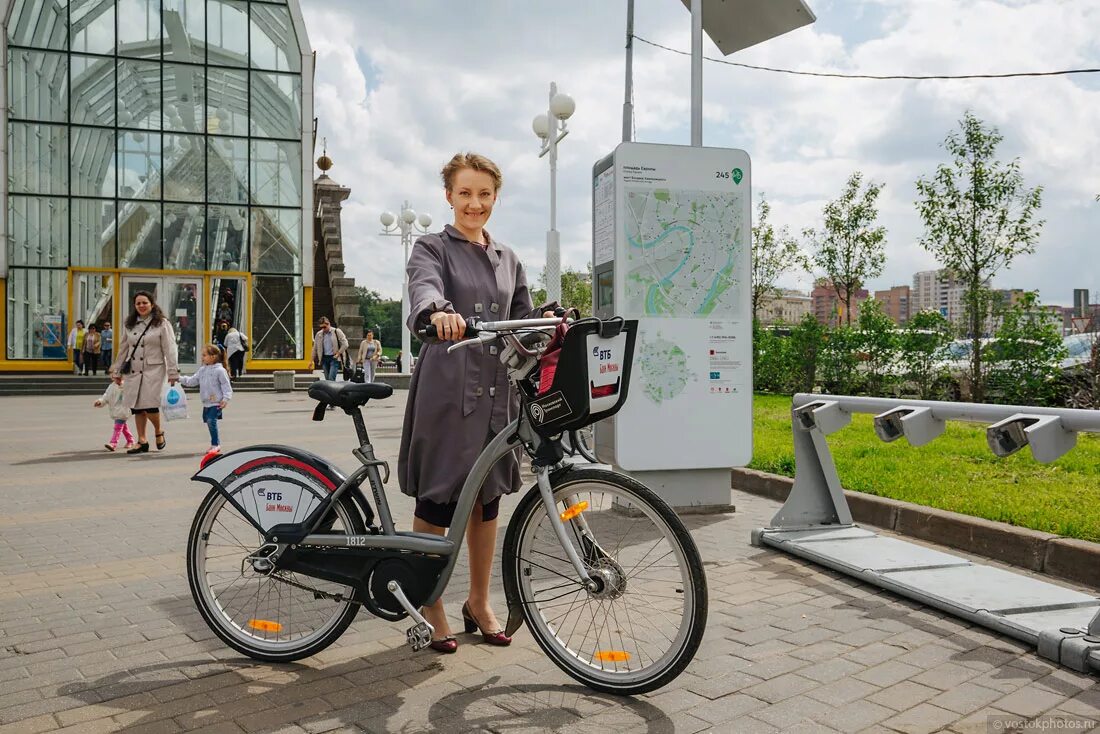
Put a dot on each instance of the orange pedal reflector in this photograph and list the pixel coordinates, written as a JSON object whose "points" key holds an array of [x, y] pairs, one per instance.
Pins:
{"points": [[612, 656], [265, 625], [573, 511]]}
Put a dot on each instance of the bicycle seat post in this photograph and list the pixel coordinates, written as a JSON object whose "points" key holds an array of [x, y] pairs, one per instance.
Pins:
{"points": [[365, 454], [360, 427]]}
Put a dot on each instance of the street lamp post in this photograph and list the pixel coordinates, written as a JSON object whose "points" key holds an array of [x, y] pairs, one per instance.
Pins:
{"points": [[551, 129], [405, 226]]}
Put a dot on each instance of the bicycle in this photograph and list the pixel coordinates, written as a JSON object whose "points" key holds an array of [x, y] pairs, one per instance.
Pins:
{"points": [[580, 443], [285, 549]]}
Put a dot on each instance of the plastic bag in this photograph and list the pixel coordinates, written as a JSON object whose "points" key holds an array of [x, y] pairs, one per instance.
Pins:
{"points": [[173, 404]]}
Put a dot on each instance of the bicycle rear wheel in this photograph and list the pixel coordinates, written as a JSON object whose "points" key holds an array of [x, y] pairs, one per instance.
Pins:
{"points": [[643, 626], [258, 614]]}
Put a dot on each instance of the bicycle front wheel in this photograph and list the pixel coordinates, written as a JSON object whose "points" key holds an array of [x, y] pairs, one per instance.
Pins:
{"points": [[266, 616], [641, 628]]}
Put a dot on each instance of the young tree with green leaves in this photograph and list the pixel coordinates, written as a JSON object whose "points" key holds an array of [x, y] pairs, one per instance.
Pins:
{"points": [[576, 290], [773, 254], [877, 342], [978, 216], [1027, 355], [926, 334], [382, 316], [850, 249]]}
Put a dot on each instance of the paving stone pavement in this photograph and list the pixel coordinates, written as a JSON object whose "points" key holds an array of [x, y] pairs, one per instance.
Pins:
{"points": [[98, 631]]}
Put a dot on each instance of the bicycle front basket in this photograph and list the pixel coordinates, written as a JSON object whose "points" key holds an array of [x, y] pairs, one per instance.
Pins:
{"points": [[591, 379]]}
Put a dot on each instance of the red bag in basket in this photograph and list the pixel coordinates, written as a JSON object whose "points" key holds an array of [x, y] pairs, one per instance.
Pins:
{"points": [[548, 365]]}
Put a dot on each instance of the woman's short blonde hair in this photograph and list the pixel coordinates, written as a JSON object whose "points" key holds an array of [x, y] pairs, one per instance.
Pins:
{"points": [[473, 161]]}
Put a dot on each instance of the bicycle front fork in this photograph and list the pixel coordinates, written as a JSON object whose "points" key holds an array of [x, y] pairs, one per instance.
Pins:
{"points": [[542, 476]]}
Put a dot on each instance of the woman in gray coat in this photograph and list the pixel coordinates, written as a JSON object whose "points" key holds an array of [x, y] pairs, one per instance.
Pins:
{"points": [[458, 402], [149, 345]]}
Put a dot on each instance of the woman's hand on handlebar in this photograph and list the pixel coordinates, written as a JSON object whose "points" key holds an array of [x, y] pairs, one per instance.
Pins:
{"points": [[448, 326]]}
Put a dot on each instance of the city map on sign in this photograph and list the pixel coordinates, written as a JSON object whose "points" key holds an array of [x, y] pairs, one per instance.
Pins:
{"points": [[682, 254]]}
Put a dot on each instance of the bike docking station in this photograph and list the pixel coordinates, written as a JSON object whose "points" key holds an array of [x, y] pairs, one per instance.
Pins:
{"points": [[815, 522], [671, 230]]}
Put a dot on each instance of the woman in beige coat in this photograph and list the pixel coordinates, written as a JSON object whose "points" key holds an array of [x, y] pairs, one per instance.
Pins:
{"points": [[151, 340]]}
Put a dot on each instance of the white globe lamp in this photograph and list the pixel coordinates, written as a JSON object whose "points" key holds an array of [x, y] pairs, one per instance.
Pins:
{"points": [[424, 220], [541, 126], [408, 216], [562, 105], [387, 219]]}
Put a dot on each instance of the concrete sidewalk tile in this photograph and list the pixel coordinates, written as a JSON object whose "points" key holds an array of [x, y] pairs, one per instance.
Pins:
{"points": [[965, 698], [921, 719], [944, 676], [729, 708], [857, 716], [30, 725], [223, 727], [742, 725], [270, 718], [782, 687], [830, 670], [875, 653], [1066, 682], [31, 709], [980, 721], [722, 685], [1028, 702], [984, 658], [819, 651], [844, 690], [887, 674], [810, 636], [793, 711], [931, 655], [164, 726], [672, 701], [902, 696], [680, 722], [767, 649]]}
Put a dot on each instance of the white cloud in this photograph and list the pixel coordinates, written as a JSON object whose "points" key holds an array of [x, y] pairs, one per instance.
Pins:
{"points": [[402, 86]]}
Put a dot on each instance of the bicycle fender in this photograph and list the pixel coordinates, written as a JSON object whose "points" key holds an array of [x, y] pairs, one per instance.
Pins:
{"points": [[273, 485]]}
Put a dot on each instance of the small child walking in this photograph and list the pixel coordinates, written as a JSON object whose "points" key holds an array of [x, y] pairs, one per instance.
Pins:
{"points": [[212, 379], [112, 398]]}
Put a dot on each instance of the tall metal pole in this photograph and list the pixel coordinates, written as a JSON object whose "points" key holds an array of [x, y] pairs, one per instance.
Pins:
{"points": [[553, 239], [406, 340], [628, 96], [697, 72]]}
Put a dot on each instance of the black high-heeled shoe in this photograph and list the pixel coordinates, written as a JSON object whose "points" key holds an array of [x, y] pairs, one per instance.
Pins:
{"points": [[141, 448], [161, 441], [471, 625]]}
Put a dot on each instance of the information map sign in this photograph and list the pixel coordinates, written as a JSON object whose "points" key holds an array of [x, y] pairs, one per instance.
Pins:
{"points": [[671, 241]]}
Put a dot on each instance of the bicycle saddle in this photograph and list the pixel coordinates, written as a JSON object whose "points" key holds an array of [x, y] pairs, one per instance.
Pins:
{"points": [[348, 394]]}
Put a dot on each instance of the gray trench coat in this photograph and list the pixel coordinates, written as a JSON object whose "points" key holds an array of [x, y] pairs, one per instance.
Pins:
{"points": [[458, 401], [154, 363]]}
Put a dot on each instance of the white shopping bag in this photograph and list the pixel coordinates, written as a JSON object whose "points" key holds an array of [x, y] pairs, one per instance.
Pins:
{"points": [[173, 404]]}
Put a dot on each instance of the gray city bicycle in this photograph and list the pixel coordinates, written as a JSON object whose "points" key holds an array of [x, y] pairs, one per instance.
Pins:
{"points": [[285, 549]]}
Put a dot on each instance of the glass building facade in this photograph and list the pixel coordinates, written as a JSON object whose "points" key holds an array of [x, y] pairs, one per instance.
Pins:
{"points": [[156, 145]]}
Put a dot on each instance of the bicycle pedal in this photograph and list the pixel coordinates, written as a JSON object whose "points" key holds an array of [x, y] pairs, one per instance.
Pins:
{"points": [[418, 636]]}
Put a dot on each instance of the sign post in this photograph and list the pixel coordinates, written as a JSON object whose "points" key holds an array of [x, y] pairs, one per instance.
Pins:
{"points": [[671, 245]]}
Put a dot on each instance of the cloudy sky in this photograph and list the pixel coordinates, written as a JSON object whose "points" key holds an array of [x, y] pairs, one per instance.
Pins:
{"points": [[402, 85]]}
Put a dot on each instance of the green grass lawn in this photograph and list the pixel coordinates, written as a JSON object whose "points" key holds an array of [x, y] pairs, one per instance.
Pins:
{"points": [[956, 472]]}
